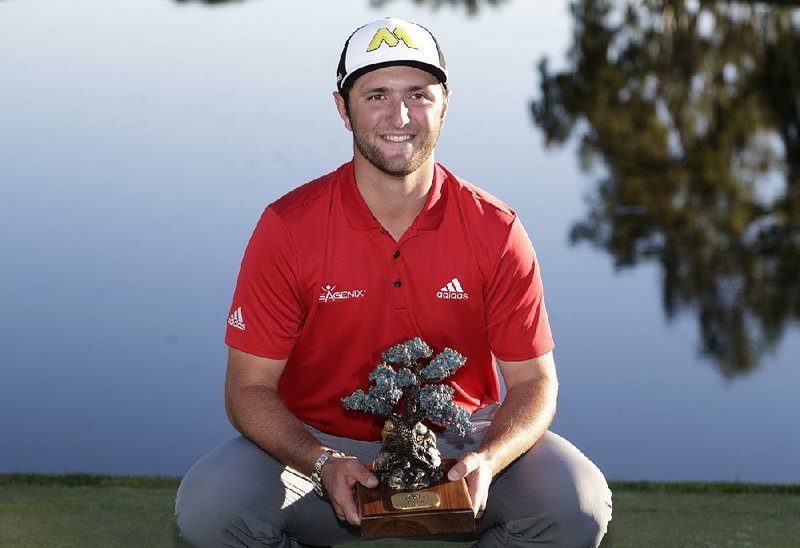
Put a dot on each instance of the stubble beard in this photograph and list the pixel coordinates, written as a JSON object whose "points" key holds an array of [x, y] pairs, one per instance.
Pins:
{"points": [[396, 168]]}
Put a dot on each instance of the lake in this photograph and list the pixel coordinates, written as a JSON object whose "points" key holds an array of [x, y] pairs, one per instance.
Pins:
{"points": [[655, 163]]}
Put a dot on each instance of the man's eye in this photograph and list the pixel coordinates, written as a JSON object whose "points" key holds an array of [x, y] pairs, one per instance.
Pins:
{"points": [[375, 97]]}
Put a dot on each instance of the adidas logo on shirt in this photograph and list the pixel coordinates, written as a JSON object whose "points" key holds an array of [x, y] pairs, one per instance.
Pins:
{"points": [[236, 320], [453, 290]]}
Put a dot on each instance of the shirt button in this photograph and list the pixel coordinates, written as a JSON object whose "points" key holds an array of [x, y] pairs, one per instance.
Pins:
{"points": [[398, 283], [396, 254]]}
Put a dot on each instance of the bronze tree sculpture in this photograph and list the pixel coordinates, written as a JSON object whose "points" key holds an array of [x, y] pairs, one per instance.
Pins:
{"points": [[407, 391]]}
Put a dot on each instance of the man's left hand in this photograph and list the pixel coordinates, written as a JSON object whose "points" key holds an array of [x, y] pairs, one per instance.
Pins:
{"points": [[478, 473]]}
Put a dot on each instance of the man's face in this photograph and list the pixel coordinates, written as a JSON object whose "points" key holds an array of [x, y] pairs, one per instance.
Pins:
{"points": [[395, 114]]}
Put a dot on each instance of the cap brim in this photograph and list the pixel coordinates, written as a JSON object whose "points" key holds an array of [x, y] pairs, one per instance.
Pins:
{"points": [[353, 76]]}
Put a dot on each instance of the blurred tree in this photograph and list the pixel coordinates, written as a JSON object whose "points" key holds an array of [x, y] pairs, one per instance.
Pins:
{"points": [[693, 109]]}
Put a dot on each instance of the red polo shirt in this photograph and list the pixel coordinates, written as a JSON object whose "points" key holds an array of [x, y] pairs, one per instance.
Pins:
{"points": [[324, 285]]}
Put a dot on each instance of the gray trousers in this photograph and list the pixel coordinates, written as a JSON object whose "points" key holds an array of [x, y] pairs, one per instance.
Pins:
{"points": [[237, 495]]}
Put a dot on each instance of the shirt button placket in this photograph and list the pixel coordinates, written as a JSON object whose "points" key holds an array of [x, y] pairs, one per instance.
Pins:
{"points": [[397, 301]]}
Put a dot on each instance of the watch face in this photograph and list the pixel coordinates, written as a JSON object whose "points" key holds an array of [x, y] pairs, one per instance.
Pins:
{"points": [[323, 458], [316, 474]]}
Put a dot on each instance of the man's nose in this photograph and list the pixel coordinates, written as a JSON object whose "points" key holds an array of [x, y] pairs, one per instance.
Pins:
{"points": [[398, 114]]}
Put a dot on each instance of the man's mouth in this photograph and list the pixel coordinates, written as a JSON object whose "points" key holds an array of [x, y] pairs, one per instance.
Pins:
{"points": [[398, 138]]}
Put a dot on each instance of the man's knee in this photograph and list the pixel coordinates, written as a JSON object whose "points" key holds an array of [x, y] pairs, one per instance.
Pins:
{"points": [[585, 521], [203, 516], [553, 495], [578, 520], [208, 514], [199, 519], [581, 515], [567, 529], [215, 503]]}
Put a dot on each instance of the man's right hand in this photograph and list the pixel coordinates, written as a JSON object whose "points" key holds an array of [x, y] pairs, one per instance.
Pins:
{"points": [[339, 477]]}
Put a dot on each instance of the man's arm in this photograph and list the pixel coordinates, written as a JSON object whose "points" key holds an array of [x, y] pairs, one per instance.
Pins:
{"points": [[257, 411], [523, 418]]}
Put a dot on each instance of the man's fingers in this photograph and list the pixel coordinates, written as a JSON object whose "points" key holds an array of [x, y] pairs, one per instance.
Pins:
{"points": [[479, 505], [340, 475], [477, 472], [365, 477], [346, 508], [463, 467], [344, 504], [353, 471]]}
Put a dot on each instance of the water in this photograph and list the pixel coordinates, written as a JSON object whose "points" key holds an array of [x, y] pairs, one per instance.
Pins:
{"points": [[139, 142]]}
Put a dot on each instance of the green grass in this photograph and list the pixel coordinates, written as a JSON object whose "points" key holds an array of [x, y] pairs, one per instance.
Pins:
{"points": [[86, 511], [706, 518], [99, 511]]}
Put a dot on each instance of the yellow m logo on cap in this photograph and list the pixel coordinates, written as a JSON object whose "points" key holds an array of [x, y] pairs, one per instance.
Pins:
{"points": [[392, 38]]}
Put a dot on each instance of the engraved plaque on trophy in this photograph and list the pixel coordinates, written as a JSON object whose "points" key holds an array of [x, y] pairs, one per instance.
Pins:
{"points": [[443, 507], [413, 497]]}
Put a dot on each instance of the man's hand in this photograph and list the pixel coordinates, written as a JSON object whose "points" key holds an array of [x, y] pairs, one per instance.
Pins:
{"points": [[528, 408], [339, 476], [478, 473]]}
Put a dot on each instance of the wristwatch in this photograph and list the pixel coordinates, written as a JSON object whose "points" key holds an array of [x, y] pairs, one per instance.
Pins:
{"points": [[316, 473]]}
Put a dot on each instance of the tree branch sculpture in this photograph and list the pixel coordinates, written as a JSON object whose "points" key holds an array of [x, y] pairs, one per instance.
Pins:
{"points": [[406, 390]]}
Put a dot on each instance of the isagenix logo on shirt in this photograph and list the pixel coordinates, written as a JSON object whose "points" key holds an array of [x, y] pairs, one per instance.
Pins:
{"points": [[329, 293]]}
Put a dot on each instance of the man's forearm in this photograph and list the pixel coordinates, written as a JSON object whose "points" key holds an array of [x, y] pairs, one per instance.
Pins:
{"points": [[522, 419], [258, 413]]}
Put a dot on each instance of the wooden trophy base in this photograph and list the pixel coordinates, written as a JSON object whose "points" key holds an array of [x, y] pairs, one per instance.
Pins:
{"points": [[444, 507]]}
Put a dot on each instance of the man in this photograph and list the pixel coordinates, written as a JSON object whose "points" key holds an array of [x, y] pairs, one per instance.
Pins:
{"points": [[388, 247]]}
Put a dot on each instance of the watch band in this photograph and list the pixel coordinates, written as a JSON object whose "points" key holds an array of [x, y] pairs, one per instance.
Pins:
{"points": [[316, 472]]}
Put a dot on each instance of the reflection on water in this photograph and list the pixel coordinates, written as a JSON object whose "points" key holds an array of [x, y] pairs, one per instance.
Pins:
{"points": [[693, 109], [132, 171]]}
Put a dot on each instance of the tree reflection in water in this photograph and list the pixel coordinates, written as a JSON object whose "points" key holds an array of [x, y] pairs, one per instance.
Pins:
{"points": [[693, 108]]}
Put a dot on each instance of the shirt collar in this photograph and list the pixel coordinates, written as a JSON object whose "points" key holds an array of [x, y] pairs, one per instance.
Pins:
{"points": [[359, 217]]}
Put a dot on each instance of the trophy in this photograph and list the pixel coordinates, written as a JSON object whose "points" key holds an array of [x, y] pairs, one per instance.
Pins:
{"points": [[413, 497]]}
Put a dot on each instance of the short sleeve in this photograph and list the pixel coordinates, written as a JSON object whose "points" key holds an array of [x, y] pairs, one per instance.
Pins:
{"points": [[516, 317], [267, 312]]}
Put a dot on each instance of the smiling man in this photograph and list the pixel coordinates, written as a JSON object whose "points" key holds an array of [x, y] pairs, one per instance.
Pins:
{"points": [[388, 247]]}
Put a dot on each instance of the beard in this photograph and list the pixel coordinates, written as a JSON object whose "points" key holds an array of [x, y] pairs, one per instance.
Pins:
{"points": [[399, 167]]}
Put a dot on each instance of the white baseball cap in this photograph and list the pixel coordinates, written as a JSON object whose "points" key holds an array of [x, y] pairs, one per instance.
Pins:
{"points": [[388, 42]]}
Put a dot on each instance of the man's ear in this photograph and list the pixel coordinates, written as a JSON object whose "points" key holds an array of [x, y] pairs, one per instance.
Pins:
{"points": [[445, 103], [340, 106]]}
